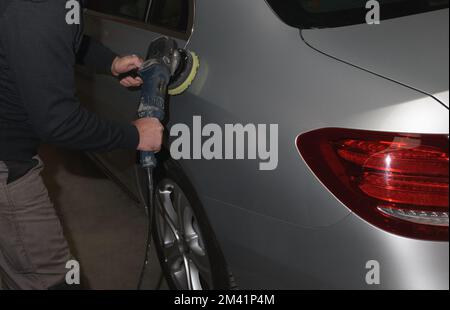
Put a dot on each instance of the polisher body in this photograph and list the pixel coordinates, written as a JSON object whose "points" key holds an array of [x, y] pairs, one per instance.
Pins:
{"points": [[168, 71]]}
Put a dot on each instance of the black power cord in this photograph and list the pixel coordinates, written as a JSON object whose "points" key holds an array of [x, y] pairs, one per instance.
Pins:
{"points": [[150, 212]]}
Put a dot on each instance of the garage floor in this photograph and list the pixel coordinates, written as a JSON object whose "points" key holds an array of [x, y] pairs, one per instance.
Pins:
{"points": [[105, 229]]}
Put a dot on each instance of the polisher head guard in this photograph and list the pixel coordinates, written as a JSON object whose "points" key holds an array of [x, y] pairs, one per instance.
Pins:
{"points": [[183, 64]]}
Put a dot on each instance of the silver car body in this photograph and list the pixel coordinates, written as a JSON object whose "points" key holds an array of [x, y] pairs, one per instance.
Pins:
{"points": [[283, 229]]}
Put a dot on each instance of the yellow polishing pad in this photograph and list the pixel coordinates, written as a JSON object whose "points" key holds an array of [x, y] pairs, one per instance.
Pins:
{"points": [[190, 78]]}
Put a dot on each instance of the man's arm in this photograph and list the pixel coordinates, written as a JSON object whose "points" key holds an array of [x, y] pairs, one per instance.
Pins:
{"points": [[39, 48], [101, 59], [95, 55]]}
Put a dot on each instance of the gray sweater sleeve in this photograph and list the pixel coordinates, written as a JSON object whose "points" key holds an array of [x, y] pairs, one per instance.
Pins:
{"points": [[39, 46], [95, 55]]}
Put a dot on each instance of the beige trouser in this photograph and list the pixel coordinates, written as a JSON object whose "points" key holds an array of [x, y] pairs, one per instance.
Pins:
{"points": [[33, 250]]}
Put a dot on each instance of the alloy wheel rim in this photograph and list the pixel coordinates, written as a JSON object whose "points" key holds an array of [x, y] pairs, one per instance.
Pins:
{"points": [[180, 239]]}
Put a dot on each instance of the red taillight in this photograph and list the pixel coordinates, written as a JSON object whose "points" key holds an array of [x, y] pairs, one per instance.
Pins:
{"points": [[398, 182]]}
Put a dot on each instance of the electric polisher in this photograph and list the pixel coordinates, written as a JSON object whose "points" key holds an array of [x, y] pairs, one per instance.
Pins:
{"points": [[169, 70]]}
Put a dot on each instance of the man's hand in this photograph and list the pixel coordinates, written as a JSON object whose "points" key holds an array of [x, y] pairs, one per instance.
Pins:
{"points": [[126, 64], [150, 134]]}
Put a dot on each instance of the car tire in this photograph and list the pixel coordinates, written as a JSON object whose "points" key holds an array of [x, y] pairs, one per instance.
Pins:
{"points": [[198, 249]]}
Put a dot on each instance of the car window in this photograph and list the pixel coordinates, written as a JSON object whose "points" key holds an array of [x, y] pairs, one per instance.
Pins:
{"points": [[170, 14], [337, 13], [132, 9]]}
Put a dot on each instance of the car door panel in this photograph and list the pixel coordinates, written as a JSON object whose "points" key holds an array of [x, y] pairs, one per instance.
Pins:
{"points": [[104, 95]]}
